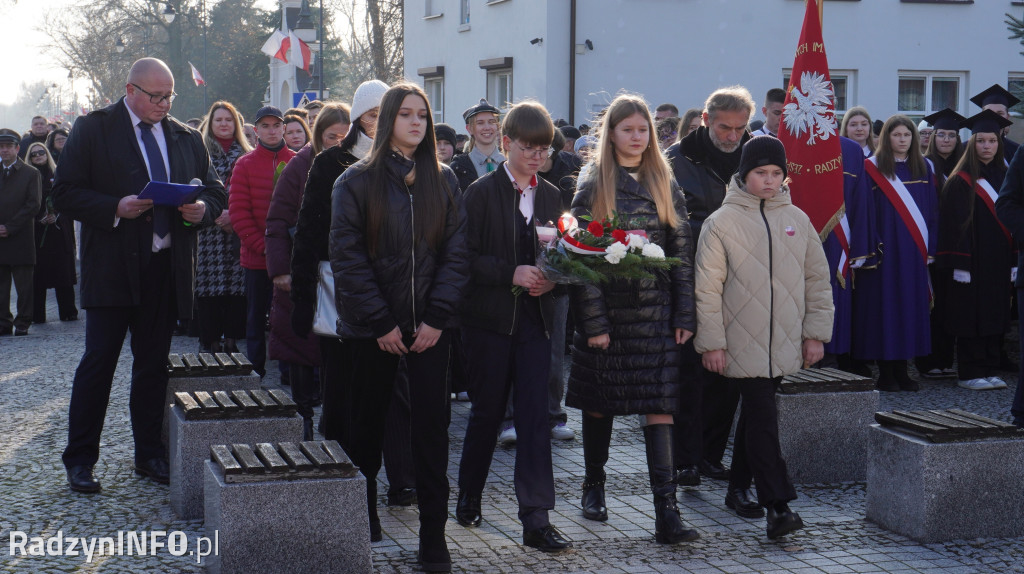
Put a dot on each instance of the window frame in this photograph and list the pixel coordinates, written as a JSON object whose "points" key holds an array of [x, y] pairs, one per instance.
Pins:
{"points": [[436, 104], [929, 77]]}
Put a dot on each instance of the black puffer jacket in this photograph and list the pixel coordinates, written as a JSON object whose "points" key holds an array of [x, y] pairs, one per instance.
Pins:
{"points": [[408, 282], [639, 372], [492, 208], [309, 246]]}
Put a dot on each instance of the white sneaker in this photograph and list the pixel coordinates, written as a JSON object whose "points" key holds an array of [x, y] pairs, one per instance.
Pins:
{"points": [[462, 397], [997, 383], [976, 384], [562, 432], [507, 436]]}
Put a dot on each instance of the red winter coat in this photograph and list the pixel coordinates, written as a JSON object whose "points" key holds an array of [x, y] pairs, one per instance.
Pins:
{"points": [[252, 185]]}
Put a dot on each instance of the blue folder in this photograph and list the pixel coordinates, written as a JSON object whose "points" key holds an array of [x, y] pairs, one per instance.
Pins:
{"points": [[170, 194]]}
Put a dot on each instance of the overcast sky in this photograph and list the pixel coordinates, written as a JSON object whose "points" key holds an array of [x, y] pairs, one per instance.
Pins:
{"points": [[25, 60]]}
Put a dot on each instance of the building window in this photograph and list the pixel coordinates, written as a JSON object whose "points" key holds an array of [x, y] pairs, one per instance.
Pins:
{"points": [[432, 9], [434, 87], [1015, 83], [499, 80], [499, 87], [463, 12], [923, 93], [843, 83]]}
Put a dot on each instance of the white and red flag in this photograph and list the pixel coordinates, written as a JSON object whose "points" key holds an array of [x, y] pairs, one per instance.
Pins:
{"points": [[809, 131], [196, 76], [299, 54], [277, 46]]}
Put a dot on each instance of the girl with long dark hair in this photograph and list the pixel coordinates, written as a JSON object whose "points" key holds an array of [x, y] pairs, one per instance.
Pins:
{"points": [[976, 254], [400, 263], [892, 323]]}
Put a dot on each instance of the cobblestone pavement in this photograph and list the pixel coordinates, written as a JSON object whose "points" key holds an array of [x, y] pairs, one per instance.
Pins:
{"points": [[35, 380]]}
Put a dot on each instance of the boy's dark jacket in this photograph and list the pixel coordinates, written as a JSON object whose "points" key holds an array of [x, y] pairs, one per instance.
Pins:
{"points": [[492, 204]]}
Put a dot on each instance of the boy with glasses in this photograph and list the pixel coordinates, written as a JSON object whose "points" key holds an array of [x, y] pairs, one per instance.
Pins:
{"points": [[506, 322]]}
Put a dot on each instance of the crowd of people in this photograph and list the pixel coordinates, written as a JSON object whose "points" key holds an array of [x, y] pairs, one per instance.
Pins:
{"points": [[389, 267]]}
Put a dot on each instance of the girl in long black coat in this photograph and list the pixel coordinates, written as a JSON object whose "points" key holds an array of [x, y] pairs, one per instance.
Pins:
{"points": [[628, 333], [398, 253]]}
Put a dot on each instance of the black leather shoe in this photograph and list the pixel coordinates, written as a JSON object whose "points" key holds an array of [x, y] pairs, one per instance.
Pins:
{"points": [[546, 539], [433, 555], [307, 429], [782, 521], [738, 499], [467, 509], [713, 470], [80, 479], [688, 476], [402, 497], [21, 331], [156, 469]]}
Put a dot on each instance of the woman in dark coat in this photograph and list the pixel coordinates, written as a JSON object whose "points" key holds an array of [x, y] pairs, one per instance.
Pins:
{"points": [[220, 279], [629, 332], [300, 353], [310, 243], [55, 246], [976, 253], [400, 262]]}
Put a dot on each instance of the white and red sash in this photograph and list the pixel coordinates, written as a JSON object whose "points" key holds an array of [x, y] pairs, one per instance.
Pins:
{"points": [[842, 232], [988, 196], [900, 198]]}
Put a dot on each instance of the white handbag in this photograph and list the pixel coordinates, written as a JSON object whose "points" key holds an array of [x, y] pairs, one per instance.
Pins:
{"points": [[325, 315]]}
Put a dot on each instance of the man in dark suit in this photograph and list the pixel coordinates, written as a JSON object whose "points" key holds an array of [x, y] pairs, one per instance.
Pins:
{"points": [[138, 267], [19, 202]]}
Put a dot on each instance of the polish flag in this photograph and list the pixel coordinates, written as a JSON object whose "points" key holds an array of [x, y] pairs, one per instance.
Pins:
{"points": [[277, 46], [196, 76], [300, 54], [809, 130]]}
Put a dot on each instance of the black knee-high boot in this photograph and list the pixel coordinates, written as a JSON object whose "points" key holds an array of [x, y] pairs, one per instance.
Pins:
{"points": [[668, 527], [906, 383], [597, 437], [887, 376]]}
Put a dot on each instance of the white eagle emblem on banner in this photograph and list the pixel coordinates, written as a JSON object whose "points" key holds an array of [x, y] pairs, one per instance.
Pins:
{"points": [[810, 109]]}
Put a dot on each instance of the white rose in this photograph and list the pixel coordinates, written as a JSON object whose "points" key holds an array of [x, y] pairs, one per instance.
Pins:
{"points": [[615, 252], [636, 242], [653, 251]]}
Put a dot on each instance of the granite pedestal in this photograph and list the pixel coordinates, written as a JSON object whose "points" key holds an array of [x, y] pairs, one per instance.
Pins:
{"points": [[190, 442], [934, 492], [824, 436], [225, 383], [287, 525]]}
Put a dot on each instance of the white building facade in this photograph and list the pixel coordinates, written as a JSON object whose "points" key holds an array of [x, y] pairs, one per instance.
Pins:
{"points": [[890, 56]]}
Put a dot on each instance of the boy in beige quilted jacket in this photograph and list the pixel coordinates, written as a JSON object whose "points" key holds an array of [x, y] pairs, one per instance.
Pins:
{"points": [[764, 310]]}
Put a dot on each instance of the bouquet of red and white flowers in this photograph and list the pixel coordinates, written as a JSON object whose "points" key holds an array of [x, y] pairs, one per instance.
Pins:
{"points": [[603, 250]]}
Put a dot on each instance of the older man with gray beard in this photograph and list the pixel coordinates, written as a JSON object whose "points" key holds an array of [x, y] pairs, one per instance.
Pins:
{"points": [[703, 162]]}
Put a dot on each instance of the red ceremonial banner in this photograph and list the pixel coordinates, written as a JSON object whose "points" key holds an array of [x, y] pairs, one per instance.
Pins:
{"points": [[809, 130]]}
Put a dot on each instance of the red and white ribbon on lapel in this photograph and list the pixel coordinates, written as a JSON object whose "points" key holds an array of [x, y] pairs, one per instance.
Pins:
{"points": [[988, 196], [900, 198]]}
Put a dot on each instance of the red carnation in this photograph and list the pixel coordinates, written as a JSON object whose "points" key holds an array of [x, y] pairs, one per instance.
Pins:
{"points": [[596, 229], [619, 235]]}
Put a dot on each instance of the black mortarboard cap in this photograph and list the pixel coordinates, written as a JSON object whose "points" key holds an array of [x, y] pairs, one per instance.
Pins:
{"points": [[483, 106], [986, 121], [995, 94], [946, 119]]}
